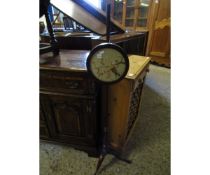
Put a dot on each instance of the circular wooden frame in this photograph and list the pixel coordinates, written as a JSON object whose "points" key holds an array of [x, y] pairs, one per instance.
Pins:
{"points": [[101, 47]]}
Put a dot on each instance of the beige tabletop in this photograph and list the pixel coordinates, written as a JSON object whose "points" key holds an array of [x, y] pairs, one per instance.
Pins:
{"points": [[137, 64]]}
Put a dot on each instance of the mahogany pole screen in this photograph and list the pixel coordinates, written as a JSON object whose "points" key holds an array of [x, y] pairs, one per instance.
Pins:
{"points": [[107, 63], [53, 46]]}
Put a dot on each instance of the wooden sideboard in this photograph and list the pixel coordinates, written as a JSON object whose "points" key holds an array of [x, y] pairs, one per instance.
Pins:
{"points": [[70, 102]]}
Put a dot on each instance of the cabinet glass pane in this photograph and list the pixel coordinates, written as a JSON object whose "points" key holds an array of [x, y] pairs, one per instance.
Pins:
{"points": [[129, 23], [130, 2], [143, 11], [144, 2], [143, 8], [142, 22], [118, 11], [130, 11]]}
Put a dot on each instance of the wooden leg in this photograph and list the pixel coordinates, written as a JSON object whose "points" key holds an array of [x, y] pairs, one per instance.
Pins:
{"points": [[123, 159], [102, 156], [100, 160]]}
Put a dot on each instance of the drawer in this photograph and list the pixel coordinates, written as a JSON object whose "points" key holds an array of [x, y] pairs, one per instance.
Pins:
{"points": [[68, 82]]}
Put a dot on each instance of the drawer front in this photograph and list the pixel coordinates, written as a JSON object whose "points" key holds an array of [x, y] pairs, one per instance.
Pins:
{"points": [[60, 81]]}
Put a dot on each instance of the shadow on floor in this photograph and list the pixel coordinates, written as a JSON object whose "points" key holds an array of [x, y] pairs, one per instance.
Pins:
{"points": [[153, 120]]}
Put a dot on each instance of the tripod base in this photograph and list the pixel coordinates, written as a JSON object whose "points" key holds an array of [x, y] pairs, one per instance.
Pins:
{"points": [[103, 155]]}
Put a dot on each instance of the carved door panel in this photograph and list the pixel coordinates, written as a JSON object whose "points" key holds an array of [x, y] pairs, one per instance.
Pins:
{"points": [[71, 119], [159, 34], [43, 130]]}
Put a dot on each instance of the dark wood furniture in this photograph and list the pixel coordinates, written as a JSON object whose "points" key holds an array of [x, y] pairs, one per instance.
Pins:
{"points": [[132, 42], [70, 102]]}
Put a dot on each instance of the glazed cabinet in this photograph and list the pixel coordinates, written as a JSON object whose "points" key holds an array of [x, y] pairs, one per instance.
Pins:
{"points": [[132, 14], [152, 16]]}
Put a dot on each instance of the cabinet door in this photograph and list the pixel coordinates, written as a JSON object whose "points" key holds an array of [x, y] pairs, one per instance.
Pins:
{"points": [[43, 130], [130, 13], [118, 11], [143, 8], [71, 119], [159, 37]]}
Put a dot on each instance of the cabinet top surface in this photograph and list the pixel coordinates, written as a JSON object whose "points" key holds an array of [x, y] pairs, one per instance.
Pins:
{"points": [[75, 61], [137, 65], [69, 60]]}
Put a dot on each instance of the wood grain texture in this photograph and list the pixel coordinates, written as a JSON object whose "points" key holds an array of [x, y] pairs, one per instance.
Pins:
{"points": [[120, 96], [159, 33], [124, 12], [137, 65], [68, 101], [166, 22], [75, 61], [68, 60]]}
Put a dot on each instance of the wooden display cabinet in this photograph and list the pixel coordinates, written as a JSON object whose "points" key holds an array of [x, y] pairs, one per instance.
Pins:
{"points": [[159, 42], [147, 15], [132, 14]]}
